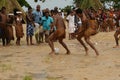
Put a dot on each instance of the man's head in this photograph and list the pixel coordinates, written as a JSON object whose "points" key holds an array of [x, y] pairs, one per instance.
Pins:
{"points": [[56, 8], [3, 10], [38, 8], [55, 12], [46, 13], [29, 9], [79, 12], [72, 12]]}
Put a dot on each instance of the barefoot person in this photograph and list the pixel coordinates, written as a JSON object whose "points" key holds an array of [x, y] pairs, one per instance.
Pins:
{"points": [[47, 21], [3, 28], [37, 14], [30, 26], [88, 28], [117, 32], [10, 21], [71, 24], [18, 26], [59, 34]]}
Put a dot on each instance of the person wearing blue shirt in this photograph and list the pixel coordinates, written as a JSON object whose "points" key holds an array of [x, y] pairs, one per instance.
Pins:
{"points": [[37, 14], [47, 23]]}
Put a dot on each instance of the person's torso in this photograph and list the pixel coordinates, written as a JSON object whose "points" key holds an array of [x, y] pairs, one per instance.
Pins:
{"points": [[71, 19], [46, 22], [29, 18], [37, 16], [3, 18], [59, 23]]}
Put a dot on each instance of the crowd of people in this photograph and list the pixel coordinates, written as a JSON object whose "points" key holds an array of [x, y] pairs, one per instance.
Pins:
{"points": [[49, 25]]}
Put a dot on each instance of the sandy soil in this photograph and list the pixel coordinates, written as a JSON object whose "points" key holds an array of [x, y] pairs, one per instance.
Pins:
{"points": [[20, 62]]}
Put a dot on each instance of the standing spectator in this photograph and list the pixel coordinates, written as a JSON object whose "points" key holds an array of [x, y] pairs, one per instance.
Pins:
{"points": [[71, 24], [117, 32], [46, 23], [62, 13], [18, 25], [3, 21], [37, 14], [30, 26]]}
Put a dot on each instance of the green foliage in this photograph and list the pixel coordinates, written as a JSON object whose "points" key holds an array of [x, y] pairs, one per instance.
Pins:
{"points": [[79, 3], [23, 3], [5, 67], [115, 5], [27, 78], [84, 4], [67, 9]]}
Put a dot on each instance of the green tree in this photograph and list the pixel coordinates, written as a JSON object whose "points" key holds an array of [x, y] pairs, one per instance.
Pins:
{"points": [[67, 9], [23, 3], [116, 3], [84, 4]]}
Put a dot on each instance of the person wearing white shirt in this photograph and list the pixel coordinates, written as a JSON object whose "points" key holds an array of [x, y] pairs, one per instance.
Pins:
{"points": [[71, 24]]}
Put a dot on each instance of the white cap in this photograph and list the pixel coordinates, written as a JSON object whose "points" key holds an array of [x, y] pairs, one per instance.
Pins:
{"points": [[59, 10], [11, 14], [19, 12]]}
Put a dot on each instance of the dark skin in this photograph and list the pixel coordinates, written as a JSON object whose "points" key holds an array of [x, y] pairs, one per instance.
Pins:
{"points": [[29, 38], [19, 25], [85, 32], [3, 27], [117, 33], [59, 34]]}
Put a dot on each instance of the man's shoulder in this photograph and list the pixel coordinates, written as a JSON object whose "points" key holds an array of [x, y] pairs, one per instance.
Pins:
{"points": [[0, 13], [43, 18], [34, 12], [50, 17]]}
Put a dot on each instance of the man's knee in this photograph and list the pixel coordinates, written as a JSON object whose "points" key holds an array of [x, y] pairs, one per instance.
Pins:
{"points": [[116, 34]]}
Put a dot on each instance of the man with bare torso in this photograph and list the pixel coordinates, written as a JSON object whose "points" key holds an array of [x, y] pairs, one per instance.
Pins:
{"points": [[3, 21], [88, 28], [59, 34], [117, 32]]}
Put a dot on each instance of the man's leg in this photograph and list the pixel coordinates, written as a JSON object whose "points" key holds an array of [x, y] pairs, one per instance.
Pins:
{"points": [[64, 45], [116, 38], [31, 42], [46, 35], [36, 37], [3, 41], [50, 41], [27, 40]]}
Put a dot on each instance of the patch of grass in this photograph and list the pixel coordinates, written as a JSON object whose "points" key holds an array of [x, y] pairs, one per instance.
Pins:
{"points": [[5, 67], [27, 77], [54, 78]]}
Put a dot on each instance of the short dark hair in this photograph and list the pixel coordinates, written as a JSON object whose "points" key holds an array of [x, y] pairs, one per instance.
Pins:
{"points": [[3, 8], [55, 11], [29, 8], [79, 11], [15, 11]]}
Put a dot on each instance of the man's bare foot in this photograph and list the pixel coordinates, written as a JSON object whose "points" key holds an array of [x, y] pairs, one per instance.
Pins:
{"points": [[28, 44], [97, 54], [32, 44], [116, 46], [68, 52], [52, 53]]}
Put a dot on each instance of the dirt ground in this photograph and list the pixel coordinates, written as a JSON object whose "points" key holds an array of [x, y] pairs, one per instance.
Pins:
{"points": [[33, 62]]}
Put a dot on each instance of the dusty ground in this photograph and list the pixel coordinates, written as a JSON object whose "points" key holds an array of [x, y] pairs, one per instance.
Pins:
{"points": [[20, 62]]}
